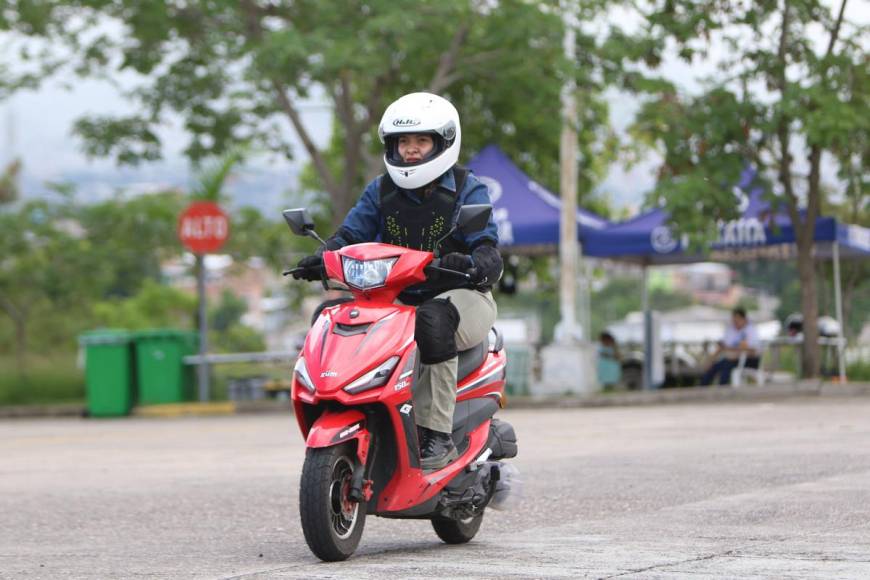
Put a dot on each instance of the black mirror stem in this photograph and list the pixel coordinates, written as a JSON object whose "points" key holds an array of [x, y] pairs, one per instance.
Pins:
{"points": [[312, 234], [437, 249]]}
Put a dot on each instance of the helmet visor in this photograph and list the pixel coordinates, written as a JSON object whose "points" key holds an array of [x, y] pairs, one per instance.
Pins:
{"points": [[391, 148]]}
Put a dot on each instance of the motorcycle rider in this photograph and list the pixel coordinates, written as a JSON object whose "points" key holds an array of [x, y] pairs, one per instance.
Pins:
{"points": [[413, 205]]}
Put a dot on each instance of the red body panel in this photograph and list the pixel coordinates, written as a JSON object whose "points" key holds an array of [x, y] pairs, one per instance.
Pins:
{"points": [[335, 359], [334, 428]]}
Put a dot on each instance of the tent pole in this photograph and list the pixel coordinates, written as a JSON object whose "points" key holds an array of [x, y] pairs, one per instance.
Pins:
{"points": [[838, 301], [647, 331]]}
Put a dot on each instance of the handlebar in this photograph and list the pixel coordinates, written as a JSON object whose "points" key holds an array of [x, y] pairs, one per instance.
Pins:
{"points": [[433, 266]]}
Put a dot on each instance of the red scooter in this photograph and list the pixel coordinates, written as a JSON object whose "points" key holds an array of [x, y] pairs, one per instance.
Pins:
{"points": [[353, 395]]}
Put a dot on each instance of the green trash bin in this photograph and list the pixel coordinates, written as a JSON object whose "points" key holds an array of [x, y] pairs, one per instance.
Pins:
{"points": [[109, 376], [518, 374], [161, 374]]}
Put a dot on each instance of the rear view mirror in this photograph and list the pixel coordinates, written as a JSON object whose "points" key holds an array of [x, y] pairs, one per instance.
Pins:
{"points": [[473, 218], [299, 221]]}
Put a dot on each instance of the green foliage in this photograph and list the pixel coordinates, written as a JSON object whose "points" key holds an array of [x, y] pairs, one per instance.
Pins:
{"points": [[212, 176], [253, 234], [154, 306], [780, 92], [228, 312], [237, 72], [127, 260], [50, 379], [859, 371], [772, 90], [237, 338]]}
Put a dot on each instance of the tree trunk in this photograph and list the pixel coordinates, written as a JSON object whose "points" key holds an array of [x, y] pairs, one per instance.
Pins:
{"points": [[810, 359]]}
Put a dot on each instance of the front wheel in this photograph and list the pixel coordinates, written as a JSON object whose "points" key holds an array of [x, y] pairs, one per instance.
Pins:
{"points": [[457, 531], [332, 524]]}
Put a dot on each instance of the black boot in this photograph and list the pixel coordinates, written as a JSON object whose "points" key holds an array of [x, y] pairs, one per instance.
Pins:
{"points": [[437, 451], [422, 435]]}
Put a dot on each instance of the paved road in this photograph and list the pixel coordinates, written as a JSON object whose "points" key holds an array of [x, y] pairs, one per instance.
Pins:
{"points": [[736, 490]]}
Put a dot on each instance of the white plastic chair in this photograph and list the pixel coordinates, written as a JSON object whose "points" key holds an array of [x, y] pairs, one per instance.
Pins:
{"points": [[741, 373]]}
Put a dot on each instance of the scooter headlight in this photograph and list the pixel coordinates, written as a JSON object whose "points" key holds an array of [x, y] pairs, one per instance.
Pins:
{"points": [[366, 274], [301, 372], [374, 378]]}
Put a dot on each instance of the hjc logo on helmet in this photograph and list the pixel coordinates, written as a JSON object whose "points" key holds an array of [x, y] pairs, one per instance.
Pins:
{"points": [[406, 122]]}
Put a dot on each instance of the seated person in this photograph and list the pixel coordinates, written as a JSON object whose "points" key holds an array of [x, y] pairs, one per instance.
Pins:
{"points": [[609, 366], [740, 337]]}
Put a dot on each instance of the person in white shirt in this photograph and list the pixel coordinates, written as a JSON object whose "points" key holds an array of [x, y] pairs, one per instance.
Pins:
{"points": [[740, 337]]}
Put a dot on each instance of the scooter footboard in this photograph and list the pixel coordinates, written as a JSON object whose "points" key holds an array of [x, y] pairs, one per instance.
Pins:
{"points": [[337, 427]]}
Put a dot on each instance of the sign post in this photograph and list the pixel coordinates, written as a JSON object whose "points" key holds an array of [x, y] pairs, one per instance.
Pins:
{"points": [[203, 228]]}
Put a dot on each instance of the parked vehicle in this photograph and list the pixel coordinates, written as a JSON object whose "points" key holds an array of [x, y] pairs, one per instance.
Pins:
{"points": [[352, 393]]}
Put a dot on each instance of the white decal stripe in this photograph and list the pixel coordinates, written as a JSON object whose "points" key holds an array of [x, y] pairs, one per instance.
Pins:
{"points": [[481, 381]]}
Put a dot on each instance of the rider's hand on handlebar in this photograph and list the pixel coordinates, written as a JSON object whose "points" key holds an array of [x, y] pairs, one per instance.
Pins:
{"points": [[457, 262], [311, 267]]}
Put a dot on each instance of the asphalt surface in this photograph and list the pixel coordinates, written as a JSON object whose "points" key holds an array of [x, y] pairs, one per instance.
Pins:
{"points": [[725, 490]]}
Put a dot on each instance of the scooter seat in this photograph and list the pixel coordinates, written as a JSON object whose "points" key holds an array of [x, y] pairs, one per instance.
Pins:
{"points": [[471, 359]]}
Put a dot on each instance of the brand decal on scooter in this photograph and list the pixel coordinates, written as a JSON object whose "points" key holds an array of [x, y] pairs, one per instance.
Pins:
{"points": [[402, 384], [348, 431], [406, 409], [325, 374]]}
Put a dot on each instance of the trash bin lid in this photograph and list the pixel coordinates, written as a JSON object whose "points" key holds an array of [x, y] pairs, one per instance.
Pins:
{"points": [[154, 333], [105, 336]]}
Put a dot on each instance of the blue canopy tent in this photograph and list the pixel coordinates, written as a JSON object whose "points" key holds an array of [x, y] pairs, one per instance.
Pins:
{"points": [[761, 232], [526, 213]]}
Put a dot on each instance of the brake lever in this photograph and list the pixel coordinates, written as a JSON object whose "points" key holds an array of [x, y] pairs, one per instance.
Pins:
{"points": [[449, 271]]}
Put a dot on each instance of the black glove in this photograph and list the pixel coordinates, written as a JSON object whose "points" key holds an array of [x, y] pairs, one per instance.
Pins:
{"points": [[312, 268], [456, 261], [488, 265]]}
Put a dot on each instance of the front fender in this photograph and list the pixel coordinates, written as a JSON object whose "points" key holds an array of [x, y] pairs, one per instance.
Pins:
{"points": [[337, 427]]}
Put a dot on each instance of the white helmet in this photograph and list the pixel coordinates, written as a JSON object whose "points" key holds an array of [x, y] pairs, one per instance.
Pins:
{"points": [[420, 113]]}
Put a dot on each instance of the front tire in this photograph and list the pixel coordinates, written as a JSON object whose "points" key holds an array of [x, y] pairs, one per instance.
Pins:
{"points": [[457, 531], [332, 524]]}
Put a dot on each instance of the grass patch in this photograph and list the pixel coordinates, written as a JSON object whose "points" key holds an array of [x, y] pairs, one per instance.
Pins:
{"points": [[47, 379], [858, 371]]}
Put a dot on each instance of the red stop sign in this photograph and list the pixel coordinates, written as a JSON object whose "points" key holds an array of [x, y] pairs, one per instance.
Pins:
{"points": [[203, 227]]}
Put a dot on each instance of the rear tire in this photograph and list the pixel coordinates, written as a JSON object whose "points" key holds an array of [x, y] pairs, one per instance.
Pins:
{"points": [[457, 531], [331, 523]]}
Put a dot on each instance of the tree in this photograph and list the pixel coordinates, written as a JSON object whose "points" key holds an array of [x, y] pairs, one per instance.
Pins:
{"points": [[129, 239], [780, 101], [239, 71], [153, 306], [44, 259]]}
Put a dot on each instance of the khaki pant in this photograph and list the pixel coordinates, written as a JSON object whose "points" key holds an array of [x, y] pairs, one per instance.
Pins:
{"points": [[435, 394]]}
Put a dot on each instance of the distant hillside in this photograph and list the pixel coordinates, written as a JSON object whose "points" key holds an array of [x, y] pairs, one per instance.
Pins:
{"points": [[268, 189]]}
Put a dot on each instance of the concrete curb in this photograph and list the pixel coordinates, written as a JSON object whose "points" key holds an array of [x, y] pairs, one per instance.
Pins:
{"points": [[26, 411], [619, 399], [186, 409]]}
